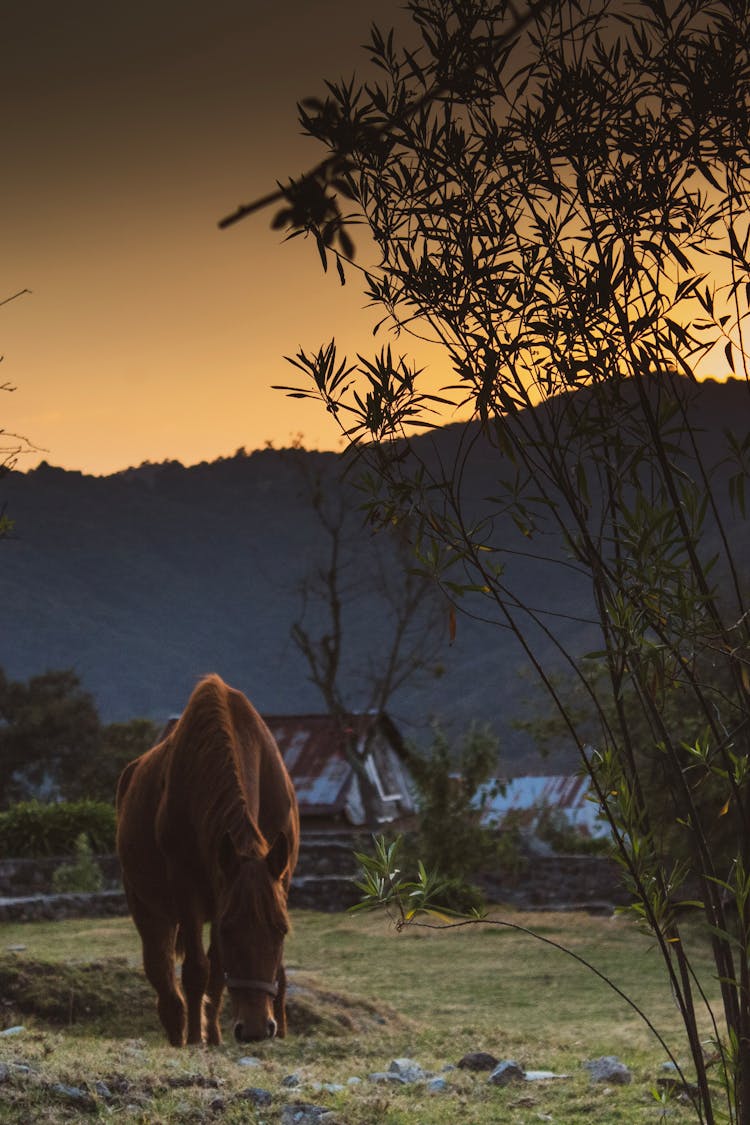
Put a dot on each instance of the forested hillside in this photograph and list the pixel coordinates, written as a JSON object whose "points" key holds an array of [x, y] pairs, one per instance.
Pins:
{"points": [[145, 580]]}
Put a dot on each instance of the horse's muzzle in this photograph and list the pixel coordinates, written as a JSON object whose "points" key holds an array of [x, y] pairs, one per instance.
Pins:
{"points": [[242, 1036]]}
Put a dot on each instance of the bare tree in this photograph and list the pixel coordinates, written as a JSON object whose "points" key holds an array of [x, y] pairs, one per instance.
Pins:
{"points": [[355, 560]]}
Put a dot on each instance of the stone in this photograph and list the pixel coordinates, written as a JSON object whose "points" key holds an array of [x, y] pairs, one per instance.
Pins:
{"points": [[249, 1060], [478, 1060], [676, 1088], [542, 1075], [506, 1072], [74, 1094], [291, 1080], [608, 1068], [407, 1069], [256, 1095], [4, 1073], [301, 1113], [10, 1031], [436, 1085], [387, 1076]]}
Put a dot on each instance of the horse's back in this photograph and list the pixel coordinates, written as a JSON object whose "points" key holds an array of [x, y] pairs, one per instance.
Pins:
{"points": [[174, 800]]}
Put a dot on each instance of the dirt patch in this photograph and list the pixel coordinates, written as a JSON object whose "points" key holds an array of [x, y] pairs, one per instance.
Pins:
{"points": [[92, 994], [315, 1010]]}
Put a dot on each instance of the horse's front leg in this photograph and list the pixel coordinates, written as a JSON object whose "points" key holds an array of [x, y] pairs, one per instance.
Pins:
{"points": [[214, 991], [279, 1003], [158, 939], [194, 977]]}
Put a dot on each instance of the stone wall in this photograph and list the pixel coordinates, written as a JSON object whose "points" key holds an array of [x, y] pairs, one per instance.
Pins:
{"points": [[324, 881], [561, 882]]}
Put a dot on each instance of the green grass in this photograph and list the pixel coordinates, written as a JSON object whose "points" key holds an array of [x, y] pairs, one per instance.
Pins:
{"points": [[364, 995]]}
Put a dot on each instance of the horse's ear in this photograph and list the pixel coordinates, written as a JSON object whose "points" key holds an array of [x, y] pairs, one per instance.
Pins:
{"points": [[278, 856]]}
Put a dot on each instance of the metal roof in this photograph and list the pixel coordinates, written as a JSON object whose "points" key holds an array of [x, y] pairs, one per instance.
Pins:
{"points": [[528, 796], [312, 747]]}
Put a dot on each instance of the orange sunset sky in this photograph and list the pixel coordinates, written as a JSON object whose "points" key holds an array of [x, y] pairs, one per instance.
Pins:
{"points": [[130, 130]]}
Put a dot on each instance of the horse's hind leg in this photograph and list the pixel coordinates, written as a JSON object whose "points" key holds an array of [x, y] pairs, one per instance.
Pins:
{"points": [[158, 937]]}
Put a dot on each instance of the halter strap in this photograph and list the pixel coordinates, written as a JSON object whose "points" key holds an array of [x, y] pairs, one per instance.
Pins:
{"points": [[271, 987]]}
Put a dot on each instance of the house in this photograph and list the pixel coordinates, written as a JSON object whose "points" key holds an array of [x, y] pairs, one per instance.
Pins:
{"points": [[331, 792], [526, 798]]}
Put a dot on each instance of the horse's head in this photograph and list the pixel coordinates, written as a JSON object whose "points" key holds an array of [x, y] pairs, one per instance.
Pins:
{"points": [[253, 922]]}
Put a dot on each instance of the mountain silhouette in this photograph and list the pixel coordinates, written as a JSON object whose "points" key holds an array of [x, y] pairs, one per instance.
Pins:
{"points": [[145, 580]]}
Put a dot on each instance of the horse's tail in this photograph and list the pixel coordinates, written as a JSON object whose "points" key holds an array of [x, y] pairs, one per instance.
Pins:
{"points": [[179, 944]]}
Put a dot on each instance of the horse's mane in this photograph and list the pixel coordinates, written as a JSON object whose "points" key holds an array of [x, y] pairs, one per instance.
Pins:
{"points": [[217, 730], [207, 740]]}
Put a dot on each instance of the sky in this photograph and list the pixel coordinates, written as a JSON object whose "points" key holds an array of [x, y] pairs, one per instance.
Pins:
{"points": [[130, 129]]}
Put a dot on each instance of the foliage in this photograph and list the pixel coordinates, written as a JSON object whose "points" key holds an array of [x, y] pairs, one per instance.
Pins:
{"points": [[49, 732], [560, 199], [52, 743], [83, 876], [32, 829], [680, 710], [119, 743], [452, 786]]}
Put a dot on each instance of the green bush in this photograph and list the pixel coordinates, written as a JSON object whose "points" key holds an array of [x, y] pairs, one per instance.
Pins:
{"points": [[32, 829], [453, 780], [83, 876]]}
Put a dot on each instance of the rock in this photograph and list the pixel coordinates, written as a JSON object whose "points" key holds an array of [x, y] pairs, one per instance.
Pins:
{"points": [[9, 1031], [506, 1072], [249, 1060], [387, 1076], [291, 1080], [103, 1090], [608, 1068], [683, 1091], [407, 1069], [73, 1094], [256, 1095], [478, 1060], [437, 1085], [302, 1114], [541, 1075], [353, 1081], [4, 1073]]}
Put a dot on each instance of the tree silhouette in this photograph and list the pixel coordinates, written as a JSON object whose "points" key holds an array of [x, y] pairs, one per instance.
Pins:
{"points": [[561, 199]]}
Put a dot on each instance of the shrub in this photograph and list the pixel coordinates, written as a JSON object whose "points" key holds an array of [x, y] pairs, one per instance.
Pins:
{"points": [[453, 784], [84, 876], [32, 829]]}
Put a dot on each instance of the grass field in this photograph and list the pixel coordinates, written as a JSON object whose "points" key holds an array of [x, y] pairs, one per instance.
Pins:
{"points": [[363, 995]]}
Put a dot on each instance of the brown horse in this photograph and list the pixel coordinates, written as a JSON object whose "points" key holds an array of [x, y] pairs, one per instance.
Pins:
{"points": [[208, 831]]}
